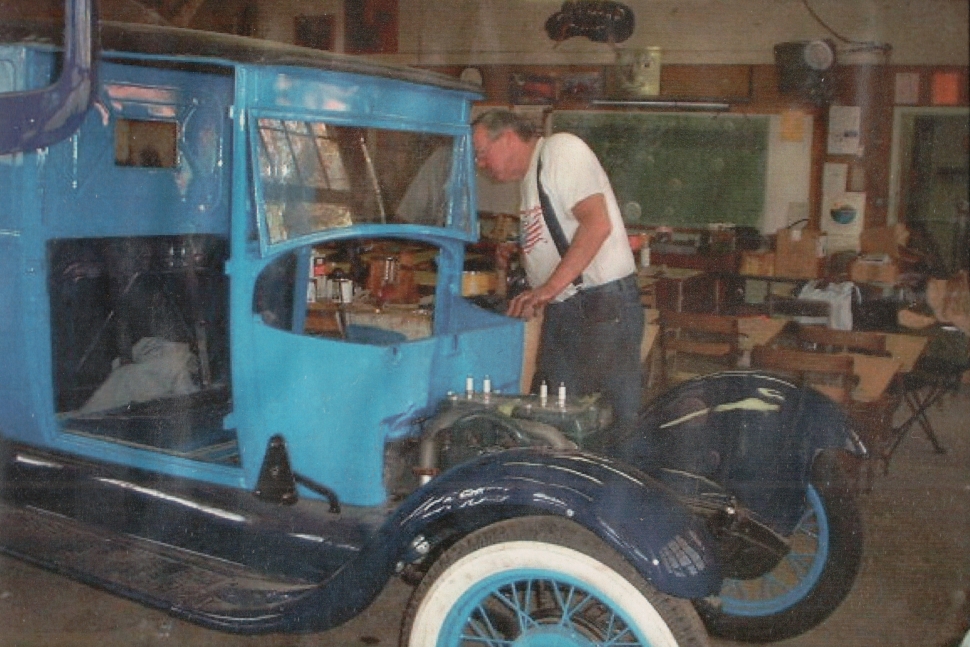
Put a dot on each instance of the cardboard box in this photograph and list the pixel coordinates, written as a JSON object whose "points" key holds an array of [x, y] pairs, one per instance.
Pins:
{"points": [[884, 240], [797, 253], [874, 270], [758, 263]]}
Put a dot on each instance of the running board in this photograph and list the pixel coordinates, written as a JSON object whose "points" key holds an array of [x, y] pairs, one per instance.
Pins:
{"points": [[181, 582]]}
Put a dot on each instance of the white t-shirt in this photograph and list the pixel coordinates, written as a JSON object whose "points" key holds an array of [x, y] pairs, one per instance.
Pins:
{"points": [[570, 174]]}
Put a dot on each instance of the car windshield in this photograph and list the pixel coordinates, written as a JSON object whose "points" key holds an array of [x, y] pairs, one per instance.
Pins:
{"points": [[316, 176]]}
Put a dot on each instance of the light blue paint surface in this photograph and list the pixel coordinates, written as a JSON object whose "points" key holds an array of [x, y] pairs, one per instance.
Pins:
{"points": [[335, 402]]}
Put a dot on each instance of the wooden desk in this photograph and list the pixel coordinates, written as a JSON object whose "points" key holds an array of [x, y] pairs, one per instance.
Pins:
{"points": [[876, 373], [755, 331], [678, 289], [906, 348], [878, 394], [737, 283]]}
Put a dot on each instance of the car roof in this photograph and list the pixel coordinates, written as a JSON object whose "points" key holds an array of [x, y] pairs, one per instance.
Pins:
{"points": [[191, 45]]}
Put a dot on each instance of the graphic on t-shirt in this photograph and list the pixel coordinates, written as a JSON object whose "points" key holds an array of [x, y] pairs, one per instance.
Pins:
{"points": [[532, 229]]}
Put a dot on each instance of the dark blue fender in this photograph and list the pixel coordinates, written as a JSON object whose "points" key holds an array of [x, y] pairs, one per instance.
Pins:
{"points": [[753, 433], [353, 555], [636, 516]]}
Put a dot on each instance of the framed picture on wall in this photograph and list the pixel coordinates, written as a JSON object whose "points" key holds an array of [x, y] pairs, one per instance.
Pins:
{"points": [[315, 31], [581, 86], [532, 89], [371, 26]]}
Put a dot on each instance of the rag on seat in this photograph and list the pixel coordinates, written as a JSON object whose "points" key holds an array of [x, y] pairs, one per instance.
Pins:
{"points": [[159, 368]]}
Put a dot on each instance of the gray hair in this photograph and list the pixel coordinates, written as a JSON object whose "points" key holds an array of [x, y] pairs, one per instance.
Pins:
{"points": [[495, 122]]}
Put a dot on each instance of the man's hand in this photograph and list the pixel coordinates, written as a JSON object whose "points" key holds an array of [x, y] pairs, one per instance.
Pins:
{"points": [[530, 303]]}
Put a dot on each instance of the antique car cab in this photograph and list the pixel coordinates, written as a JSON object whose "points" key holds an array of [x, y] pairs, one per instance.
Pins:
{"points": [[232, 299]]}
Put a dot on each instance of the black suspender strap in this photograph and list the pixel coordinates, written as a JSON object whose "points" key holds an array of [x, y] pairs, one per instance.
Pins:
{"points": [[552, 221]]}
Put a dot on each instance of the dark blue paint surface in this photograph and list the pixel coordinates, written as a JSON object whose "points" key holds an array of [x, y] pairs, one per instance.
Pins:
{"points": [[36, 118], [754, 434], [352, 555]]}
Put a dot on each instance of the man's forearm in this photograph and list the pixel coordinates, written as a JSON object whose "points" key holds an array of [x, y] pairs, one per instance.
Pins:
{"points": [[594, 228]]}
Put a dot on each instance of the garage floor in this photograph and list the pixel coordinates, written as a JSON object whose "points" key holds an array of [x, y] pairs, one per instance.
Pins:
{"points": [[912, 590]]}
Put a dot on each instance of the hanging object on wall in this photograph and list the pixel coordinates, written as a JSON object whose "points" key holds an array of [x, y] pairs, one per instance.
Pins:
{"points": [[471, 75], [318, 32], [601, 21], [805, 69], [371, 26], [639, 71]]}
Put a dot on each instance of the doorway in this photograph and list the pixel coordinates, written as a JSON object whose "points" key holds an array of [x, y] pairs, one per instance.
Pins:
{"points": [[929, 183]]}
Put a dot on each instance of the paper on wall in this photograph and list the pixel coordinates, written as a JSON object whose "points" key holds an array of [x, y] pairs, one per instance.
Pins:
{"points": [[845, 123], [792, 126], [840, 235], [842, 219], [834, 178]]}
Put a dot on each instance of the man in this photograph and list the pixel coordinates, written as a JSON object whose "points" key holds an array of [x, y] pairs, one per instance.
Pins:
{"points": [[425, 201], [586, 284]]}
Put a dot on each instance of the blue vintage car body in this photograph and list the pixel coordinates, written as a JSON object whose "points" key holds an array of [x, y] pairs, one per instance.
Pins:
{"points": [[171, 482], [274, 372]]}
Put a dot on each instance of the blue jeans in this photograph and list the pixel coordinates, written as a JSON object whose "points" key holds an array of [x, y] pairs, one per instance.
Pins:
{"points": [[591, 343]]}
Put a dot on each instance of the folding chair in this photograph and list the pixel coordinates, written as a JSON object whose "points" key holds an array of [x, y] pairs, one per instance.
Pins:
{"points": [[939, 372]]}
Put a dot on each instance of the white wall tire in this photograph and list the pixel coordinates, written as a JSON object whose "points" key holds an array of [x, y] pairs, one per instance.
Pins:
{"points": [[539, 581]]}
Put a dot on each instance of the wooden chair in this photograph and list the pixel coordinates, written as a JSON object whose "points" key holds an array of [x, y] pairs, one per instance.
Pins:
{"points": [[696, 344], [829, 373]]}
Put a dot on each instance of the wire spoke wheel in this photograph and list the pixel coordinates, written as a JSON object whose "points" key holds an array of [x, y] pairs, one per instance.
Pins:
{"points": [[810, 582], [539, 611], [793, 577], [543, 582]]}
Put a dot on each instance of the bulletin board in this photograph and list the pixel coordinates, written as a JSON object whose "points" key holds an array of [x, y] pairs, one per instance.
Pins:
{"points": [[684, 170]]}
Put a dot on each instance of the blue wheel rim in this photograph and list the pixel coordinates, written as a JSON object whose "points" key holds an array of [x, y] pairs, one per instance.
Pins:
{"points": [[501, 611], [794, 578]]}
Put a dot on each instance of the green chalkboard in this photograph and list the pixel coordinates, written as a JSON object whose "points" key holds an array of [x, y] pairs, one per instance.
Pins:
{"points": [[683, 170]]}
